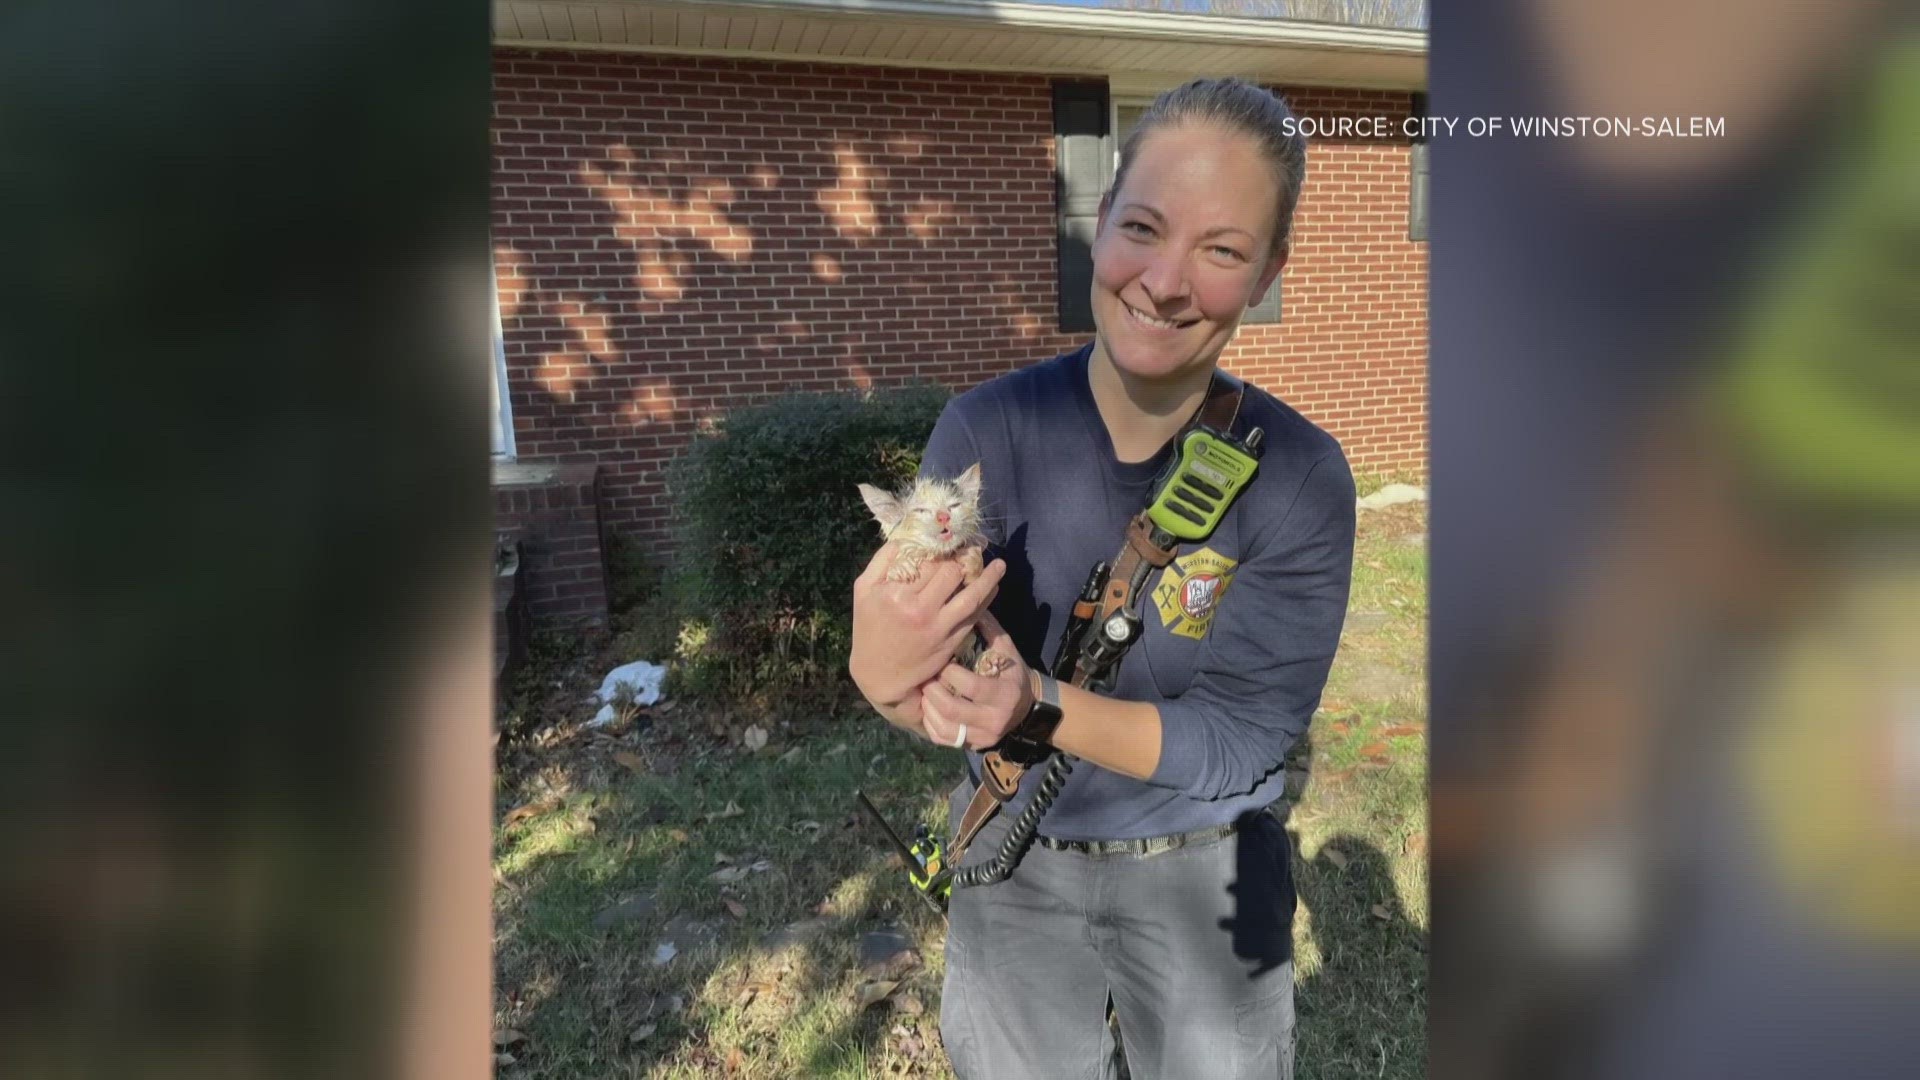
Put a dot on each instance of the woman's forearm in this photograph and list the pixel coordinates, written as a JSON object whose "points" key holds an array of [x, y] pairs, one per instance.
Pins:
{"points": [[1120, 736]]}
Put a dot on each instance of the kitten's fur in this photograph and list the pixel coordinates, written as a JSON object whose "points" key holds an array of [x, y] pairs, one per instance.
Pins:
{"points": [[910, 520]]}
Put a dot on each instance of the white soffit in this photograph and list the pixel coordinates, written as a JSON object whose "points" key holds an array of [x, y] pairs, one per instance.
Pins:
{"points": [[1142, 52]]}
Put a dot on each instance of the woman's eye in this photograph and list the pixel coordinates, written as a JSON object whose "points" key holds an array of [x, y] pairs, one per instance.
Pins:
{"points": [[1229, 253], [1137, 228]]}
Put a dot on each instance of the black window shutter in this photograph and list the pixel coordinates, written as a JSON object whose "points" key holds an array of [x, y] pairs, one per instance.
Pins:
{"points": [[1083, 148]]}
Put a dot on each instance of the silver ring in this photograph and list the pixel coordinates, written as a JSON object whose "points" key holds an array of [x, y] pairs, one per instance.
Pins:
{"points": [[960, 740]]}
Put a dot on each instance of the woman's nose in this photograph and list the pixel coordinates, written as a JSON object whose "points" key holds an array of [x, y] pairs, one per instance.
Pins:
{"points": [[1165, 277]]}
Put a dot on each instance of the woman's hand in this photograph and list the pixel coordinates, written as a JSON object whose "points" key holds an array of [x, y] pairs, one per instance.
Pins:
{"points": [[904, 633], [961, 708]]}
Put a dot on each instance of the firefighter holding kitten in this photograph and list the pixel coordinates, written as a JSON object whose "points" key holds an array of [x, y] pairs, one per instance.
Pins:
{"points": [[1159, 886]]}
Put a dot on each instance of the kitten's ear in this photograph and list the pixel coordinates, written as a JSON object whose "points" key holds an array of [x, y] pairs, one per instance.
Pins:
{"points": [[969, 482], [886, 509]]}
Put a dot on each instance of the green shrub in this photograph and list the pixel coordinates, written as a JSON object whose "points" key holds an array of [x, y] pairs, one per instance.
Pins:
{"points": [[772, 532], [633, 577]]}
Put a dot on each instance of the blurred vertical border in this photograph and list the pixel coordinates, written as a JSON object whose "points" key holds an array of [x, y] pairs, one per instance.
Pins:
{"points": [[1676, 473], [243, 371]]}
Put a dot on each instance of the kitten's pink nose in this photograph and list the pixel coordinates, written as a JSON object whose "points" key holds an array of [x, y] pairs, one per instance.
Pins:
{"points": [[940, 516]]}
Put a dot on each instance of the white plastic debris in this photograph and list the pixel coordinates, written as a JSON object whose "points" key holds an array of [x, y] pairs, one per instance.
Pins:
{"points": [[1393, 495], [642, 680]]}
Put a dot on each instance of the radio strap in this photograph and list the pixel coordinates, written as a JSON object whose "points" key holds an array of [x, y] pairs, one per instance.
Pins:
{"points": [[1139, 555]]}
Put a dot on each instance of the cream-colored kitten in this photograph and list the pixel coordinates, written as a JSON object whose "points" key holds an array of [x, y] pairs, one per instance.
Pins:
{"points": [[935, 519]]}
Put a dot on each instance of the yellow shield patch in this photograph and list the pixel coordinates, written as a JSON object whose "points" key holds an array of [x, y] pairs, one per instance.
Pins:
{"points": [[1190, 589]]}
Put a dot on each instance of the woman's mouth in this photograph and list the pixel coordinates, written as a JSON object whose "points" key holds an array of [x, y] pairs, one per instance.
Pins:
{"points": [[1153, 323]]}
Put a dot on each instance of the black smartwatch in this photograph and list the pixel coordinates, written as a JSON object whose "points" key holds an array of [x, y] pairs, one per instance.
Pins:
{"points": [[1031, 740]]}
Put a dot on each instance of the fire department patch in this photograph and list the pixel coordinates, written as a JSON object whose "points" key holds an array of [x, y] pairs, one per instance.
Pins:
{"points": [[1190, 589]]}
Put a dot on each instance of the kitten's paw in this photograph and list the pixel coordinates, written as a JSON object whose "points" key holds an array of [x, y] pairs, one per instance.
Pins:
{"points": [[991, 663]]}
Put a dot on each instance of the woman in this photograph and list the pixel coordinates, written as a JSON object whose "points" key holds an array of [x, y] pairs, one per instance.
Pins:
{"points": [[1158, 882]]}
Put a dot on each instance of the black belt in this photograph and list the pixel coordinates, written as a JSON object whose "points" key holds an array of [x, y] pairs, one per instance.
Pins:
{"points": [[1148, 845]]}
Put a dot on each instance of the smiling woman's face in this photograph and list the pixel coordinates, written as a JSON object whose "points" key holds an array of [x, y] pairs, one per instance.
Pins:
{"points": [[1181, 249]]}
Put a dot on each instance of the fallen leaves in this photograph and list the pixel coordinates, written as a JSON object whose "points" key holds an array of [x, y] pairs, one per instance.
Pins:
{"points": [[797, 933], [641, 1034], [1379, 911], [507, 1037], [729, 875], [1399, 731], [870, 994], [735, 908], [633, 762], [1335, 856], [533, 809], [910, 1045], [732, 810], [664, 955], [887, 954], [755, 738]]}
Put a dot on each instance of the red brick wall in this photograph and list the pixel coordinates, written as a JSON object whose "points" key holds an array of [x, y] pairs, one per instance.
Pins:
{"points": [[557, 521], [1350, 350], [676, 236]]}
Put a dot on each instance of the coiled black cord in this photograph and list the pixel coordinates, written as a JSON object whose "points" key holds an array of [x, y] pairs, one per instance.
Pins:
{"points": [[1020, 837]]}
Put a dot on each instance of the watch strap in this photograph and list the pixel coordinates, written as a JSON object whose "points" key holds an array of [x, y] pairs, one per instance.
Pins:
{"points": [[1032, 739]]}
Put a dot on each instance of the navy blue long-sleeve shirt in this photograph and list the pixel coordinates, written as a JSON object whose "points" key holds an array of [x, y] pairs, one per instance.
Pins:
{"points": [[1240, 629]]}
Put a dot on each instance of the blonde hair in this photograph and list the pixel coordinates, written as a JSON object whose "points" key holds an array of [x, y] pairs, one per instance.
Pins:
{"points": [[1245, 109]]}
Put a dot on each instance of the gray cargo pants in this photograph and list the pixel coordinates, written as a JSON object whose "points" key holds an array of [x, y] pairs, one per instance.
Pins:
{"points": [[1193, 946]]}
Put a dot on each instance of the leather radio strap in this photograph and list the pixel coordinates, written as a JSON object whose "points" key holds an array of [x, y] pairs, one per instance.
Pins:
{"points": [[999, 776]]}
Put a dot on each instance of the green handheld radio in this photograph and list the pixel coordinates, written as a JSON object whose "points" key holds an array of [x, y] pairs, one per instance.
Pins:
{"points": [[1207, 472], [1190, 497]]}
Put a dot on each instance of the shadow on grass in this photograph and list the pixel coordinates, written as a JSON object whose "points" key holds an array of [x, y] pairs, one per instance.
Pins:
{"points": [[591, 1001], [1361, 1010]]}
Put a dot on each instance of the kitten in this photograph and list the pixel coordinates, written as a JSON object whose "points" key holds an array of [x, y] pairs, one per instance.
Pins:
{"points": [[936, 519]]}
